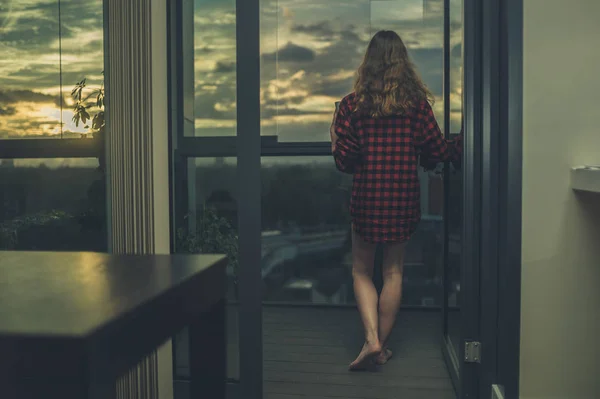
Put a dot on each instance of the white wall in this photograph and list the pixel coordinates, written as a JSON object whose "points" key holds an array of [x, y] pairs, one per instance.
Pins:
{"points": [[560, 321]]}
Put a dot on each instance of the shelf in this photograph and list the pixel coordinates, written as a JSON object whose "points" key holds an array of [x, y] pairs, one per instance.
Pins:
{"points": [[586, 178]]}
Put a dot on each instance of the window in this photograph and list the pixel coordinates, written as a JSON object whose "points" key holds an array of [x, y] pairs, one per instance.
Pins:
{"points": [[47, 48], [306, 236], [52, 204], [420, 25], [52, 192], [310, 52], [214, 99]]}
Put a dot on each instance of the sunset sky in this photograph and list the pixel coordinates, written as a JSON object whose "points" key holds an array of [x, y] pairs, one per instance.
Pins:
{"points": [[310, 51]]}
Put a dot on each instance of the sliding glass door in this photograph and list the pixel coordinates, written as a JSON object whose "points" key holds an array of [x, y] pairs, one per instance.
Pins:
{"points": [[253, 85]]}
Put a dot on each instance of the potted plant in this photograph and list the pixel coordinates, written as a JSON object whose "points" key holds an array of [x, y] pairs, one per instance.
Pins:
{"points": [[213, 234]]}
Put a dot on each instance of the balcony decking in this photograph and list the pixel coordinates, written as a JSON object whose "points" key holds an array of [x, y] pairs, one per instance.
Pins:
{"points": [[307, 350], [306, 353]]}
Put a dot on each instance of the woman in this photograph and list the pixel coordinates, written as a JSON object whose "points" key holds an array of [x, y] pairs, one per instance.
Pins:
{"points": [[380, 133]]}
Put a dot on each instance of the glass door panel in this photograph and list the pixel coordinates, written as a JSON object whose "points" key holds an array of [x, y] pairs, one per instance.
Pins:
{"points": [[455, 179], [310, 52], [203, 89]]}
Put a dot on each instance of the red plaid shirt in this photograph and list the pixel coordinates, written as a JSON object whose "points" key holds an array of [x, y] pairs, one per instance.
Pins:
{"points": [[384, 155]]}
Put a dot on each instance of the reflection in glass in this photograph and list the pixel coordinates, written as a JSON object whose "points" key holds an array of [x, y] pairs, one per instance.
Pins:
{"points": [[212, 213], [52, 205], [212, 228], [41, 60], [453, 268], [306, 236]]}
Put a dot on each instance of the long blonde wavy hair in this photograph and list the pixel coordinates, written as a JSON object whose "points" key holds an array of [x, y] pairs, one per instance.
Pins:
{"points": [[387, 82]]}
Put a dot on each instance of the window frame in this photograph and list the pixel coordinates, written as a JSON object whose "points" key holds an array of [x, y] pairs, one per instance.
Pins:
{"points": [[50, 148]]}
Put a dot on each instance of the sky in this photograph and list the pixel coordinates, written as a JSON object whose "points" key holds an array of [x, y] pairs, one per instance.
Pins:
{"points": [[310, 51]]}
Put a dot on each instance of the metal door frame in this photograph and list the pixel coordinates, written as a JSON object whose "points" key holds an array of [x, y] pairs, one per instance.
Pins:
{"points": [[492, 178], [510, 95], [246, 147], [450, 357], [249, 210], [466, 376], [471, 233], [501, 184]]}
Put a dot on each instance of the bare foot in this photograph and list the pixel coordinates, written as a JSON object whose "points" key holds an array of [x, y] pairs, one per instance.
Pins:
{"points": [[383, 357], [369, 352]]}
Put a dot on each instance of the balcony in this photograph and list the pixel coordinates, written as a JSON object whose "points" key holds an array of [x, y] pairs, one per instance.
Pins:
{"points": [[307, 350]]}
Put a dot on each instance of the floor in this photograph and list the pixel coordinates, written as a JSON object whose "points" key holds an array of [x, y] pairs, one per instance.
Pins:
{"points": [[307, 350]]}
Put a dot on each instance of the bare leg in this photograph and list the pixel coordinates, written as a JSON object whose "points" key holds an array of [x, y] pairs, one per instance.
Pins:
{"points": [[391, 295], [363, 258]]}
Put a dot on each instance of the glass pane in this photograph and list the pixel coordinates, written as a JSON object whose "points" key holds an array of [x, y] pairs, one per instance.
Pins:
{"points": [[420, 24], [306, 235], [82, 61], [35, 49], [209, 109], [306, 227], [29, 70], [456, 184], [212, 228], [310, 52], [214, 63], [52, 205]]}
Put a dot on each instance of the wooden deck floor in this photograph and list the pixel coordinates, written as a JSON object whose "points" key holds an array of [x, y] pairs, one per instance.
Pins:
{"points": [[307, 350]]}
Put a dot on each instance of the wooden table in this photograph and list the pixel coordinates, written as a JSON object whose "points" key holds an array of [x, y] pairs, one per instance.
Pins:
{"points": [[72, 323]]}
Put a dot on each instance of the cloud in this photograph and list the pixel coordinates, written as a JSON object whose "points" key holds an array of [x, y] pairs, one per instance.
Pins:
{"points": [[35, 24], [334, 88], [215, 101], [15, 96], [224, 67], [317, 46], [321, 30], [300, 91], [7, 111], [291, 53], [33, 32], [202, 51]]}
